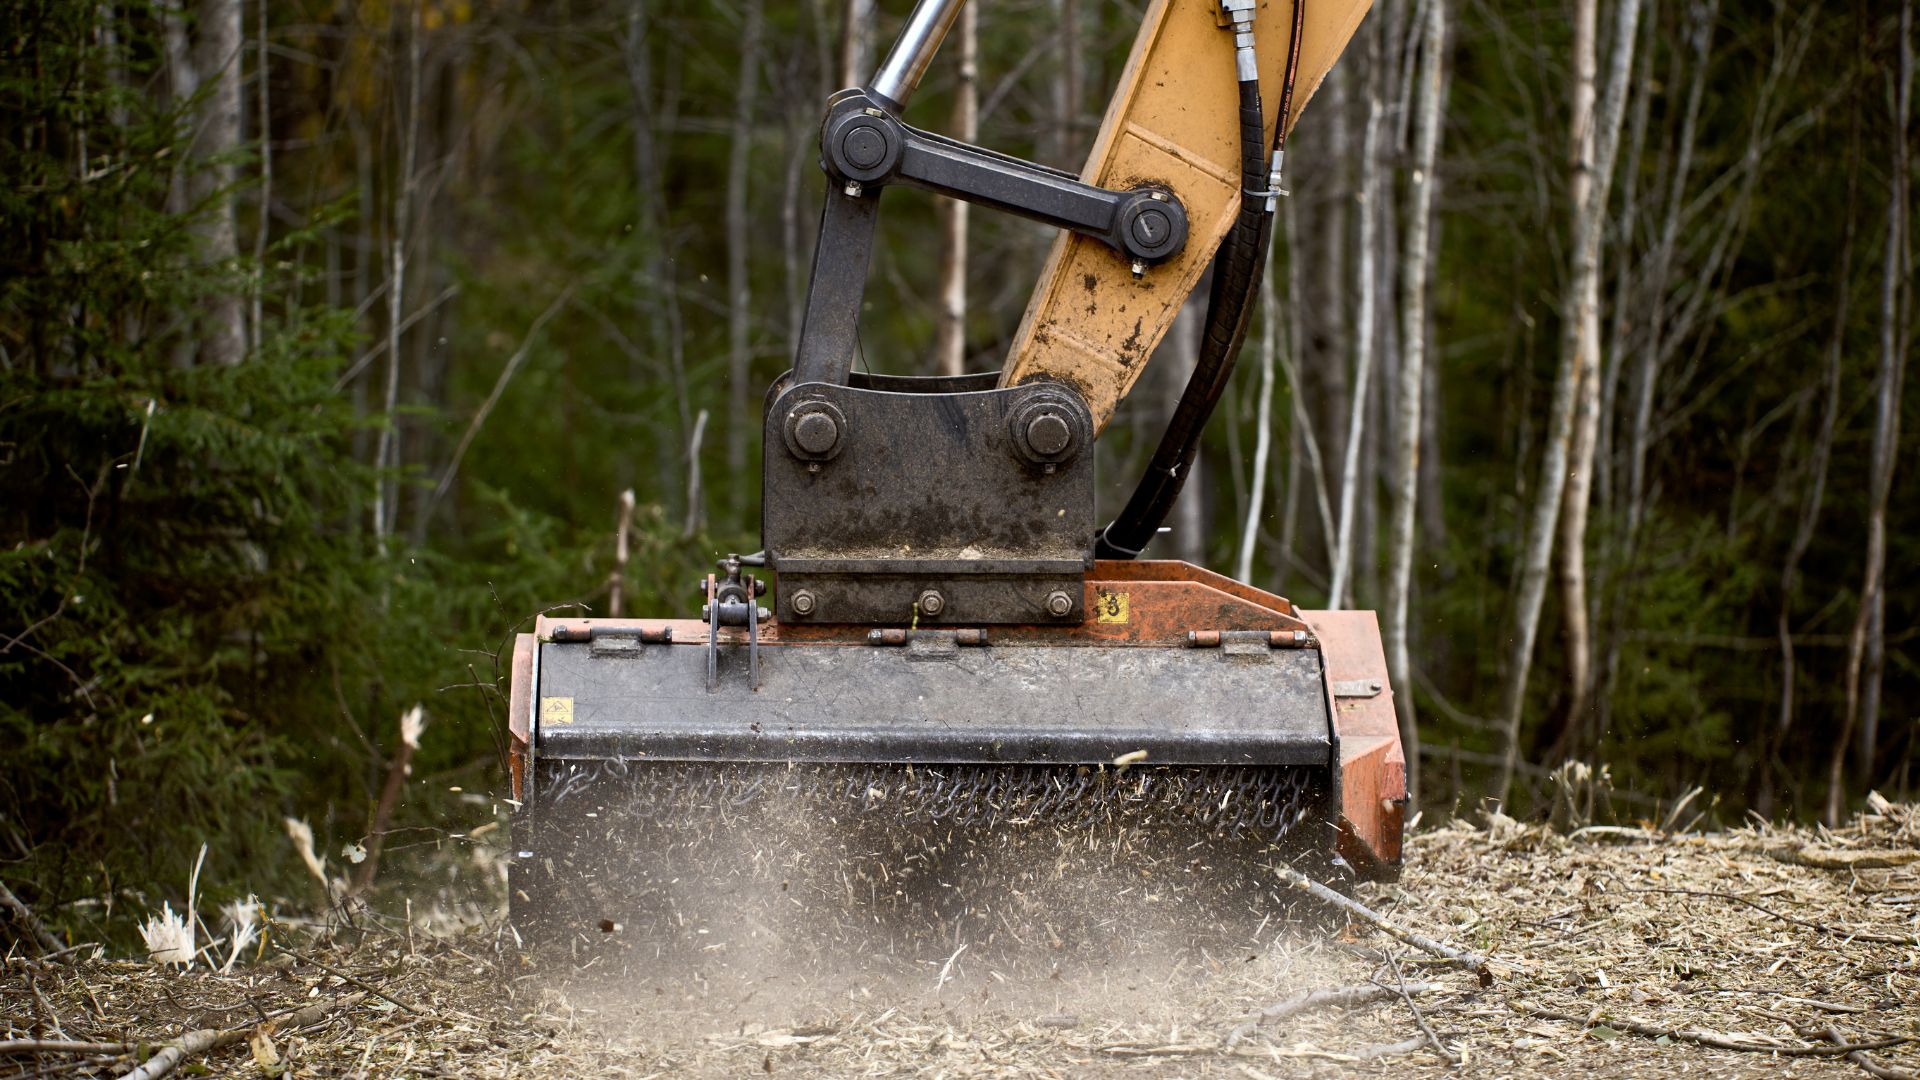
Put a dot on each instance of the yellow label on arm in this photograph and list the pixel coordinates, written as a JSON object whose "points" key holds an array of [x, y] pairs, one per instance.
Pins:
{"points": [[556, 710], [1110, 607]]}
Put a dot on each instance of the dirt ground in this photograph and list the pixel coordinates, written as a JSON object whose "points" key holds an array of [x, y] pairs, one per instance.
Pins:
{"points": [[1613, 951]]}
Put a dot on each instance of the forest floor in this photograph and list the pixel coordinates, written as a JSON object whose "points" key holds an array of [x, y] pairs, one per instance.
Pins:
{"points": [[1613, 951]]}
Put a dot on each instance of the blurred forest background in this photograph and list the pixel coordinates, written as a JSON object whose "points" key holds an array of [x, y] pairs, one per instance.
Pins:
{"points": [[332, 332]]}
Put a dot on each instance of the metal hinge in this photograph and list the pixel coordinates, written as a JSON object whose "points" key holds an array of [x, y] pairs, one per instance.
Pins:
{"points": [[1276, 639], [895, 636]]}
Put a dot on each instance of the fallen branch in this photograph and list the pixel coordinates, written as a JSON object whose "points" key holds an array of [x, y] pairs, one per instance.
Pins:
{"points": [[1463, 957], [64, 1046], [1818, 859], [1339, 997], [1825, 928], [205, 1040], [1859, 1057], [1712, 1039], [22, 916]]}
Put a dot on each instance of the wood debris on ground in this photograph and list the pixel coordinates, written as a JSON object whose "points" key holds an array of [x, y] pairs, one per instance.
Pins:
{"points": [[1622, 952]]}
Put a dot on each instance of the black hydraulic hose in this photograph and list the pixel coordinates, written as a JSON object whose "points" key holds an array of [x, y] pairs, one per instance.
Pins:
{"points": [[1237, 270]]}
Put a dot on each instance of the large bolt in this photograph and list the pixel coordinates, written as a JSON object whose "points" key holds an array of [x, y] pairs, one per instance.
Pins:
{"points": [[816, 433], [1059, 604], [1151, 227], [931, 603], [1048, 434], [804, 603], [864, 147]]}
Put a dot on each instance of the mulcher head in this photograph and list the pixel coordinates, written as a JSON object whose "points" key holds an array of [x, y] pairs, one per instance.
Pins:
{"points": [[683, 785]]}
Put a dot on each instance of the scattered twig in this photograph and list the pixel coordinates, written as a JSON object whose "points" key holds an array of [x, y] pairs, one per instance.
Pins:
{"points": [[1376, 1051], [205, 1040], [1420, 1018], [1338, 997], [338, 974], [1711, 1039], [1858, 1056], [1825, 928], [1463, 957]]}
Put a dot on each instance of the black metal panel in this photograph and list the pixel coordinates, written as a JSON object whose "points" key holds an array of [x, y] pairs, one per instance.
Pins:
{"points": [[874, 499], [986, 704]]}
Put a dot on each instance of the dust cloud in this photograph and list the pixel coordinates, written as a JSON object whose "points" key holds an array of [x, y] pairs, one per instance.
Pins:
{"points": [[705, 911]]}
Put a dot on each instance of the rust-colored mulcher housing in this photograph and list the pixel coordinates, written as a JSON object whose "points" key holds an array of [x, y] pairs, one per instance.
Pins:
{"points": [[1161, 645]]}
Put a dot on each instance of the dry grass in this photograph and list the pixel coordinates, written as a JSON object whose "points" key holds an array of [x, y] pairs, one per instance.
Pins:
{"points": [[1615, 952]]}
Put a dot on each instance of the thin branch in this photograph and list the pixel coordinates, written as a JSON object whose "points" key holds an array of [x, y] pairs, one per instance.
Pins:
{"points": [[1353, 907], [493, 398]]}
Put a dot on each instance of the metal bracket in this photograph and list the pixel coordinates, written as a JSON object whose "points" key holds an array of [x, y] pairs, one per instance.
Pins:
{"points": [[732, 601], [1357, 688]]}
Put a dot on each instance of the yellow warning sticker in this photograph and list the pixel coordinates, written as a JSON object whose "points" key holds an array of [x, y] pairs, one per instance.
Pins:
{"points": [[1110, 607], [556, 710]]}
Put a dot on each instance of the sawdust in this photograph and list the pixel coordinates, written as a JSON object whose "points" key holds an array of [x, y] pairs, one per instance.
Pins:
{"points": [[1762, 938]]}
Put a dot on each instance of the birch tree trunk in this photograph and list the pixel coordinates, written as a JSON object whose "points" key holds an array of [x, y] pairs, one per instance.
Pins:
{"points": [[950, 337], [1537, 555], [1176, 356], [856, 37], [739, 288], [1866, 646], [385, 497], [1364, 331], [1584, 312], [1415, 264], [1262, 422]]}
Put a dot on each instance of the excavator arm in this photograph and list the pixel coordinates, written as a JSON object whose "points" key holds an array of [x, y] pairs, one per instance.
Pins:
{"points": [[1174, 122], [939, 656]]}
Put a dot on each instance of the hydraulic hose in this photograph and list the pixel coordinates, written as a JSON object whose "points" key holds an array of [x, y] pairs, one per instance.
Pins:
{"points": [[1237, 269]]}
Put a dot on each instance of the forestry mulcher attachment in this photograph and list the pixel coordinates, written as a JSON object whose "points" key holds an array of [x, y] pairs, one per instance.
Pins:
{"points": [[940, 663]]}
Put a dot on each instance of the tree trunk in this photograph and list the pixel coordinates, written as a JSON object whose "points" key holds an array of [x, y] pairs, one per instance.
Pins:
{"points": [[1416, 263], [856, 36], [1817, 462], [950, 337], [1364, 332], [1262, 423], [1066, 86], [385, 497], [203, 186], [1584, 312], [1866, 646], [1176, 356], [1545, 514], [656, 295], [740, 417]]}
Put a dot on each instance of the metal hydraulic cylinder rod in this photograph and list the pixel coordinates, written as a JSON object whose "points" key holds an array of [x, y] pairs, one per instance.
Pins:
{"points": [[919, 39]]}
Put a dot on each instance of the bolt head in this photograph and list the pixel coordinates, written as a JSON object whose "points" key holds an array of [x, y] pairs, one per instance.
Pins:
{"points": [[931, 603], [864, 147], [816, 433], [1059, 604], [804, 603], [1151, 227], [1049, 434]]}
